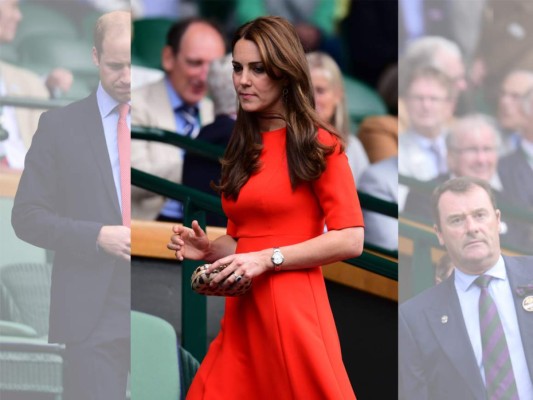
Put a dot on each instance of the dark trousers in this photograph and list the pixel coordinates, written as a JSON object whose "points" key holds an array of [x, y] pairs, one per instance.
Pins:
{"points": [[96, 371]]}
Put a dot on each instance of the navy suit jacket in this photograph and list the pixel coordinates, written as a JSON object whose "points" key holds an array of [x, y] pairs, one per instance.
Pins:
{"points": [[66, 194], [199, 172], [436, 360]]}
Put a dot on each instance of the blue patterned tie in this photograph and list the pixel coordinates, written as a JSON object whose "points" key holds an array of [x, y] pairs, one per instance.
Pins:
{"points": [[499, 376], [188, 114]]}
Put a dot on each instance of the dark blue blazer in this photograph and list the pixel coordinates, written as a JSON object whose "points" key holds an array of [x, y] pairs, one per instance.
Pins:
{"points": [[66, 194], [436, 360], [199, 172]]}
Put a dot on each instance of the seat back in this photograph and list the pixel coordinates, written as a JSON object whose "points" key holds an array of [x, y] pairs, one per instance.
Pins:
{"points": [[154, 359], [149, 38], [25, 292]]}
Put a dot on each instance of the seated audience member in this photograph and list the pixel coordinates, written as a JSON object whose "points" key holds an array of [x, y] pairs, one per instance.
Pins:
{"points": [[516, 169], [469, 337], [422, 150], [515, 85], [330, 103], [199, 172], [381, 180], [472, 144], [175, 103], [17, 125], [437, 52]]}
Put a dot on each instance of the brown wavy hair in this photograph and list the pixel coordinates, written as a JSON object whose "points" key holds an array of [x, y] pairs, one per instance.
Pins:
{"points": [[284, 59]]}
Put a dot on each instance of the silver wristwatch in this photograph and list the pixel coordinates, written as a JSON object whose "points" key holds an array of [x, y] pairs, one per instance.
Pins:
{"points": [[277, 259]]}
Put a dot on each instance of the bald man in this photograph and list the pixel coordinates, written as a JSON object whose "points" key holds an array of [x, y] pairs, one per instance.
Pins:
{"points": [[71, 200]]}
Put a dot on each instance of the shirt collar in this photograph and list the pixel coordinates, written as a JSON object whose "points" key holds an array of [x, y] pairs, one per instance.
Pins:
{"points": [[174, 98], [425, 142], [106, 103], [465, 281]]}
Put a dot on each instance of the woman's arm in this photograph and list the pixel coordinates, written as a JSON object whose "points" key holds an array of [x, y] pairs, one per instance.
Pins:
{"points": [[334, 245], [193, 243]]}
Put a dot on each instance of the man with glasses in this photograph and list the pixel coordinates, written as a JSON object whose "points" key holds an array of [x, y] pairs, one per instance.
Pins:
{"points": [[472, 150], [429, 100]]}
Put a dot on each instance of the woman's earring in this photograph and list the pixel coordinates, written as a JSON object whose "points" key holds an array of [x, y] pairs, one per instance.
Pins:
{"points": [[285, 94]]}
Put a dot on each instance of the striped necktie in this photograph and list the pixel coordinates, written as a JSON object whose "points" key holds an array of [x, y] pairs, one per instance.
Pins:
{"points": [[188, 114], [499, 376]]}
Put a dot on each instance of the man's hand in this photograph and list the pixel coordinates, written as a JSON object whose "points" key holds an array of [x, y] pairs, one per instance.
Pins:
{"points": [[115, 240]]}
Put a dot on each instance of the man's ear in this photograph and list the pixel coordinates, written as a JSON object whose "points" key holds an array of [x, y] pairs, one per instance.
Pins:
{"points": [[95, 57], [439, 234], [168, 58]]}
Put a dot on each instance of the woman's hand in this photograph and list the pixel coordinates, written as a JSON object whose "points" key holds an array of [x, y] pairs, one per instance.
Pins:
{"points": [[189, 243], [240, 268]]}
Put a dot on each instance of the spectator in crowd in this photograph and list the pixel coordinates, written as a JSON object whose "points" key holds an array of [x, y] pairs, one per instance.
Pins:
{"points": [[429, 102], [198, 172], [516, 169], [504, 45], [17, 125], [330, 103], [439, 53], [175, 103], [515, 85], [381, 180], [469, 337], [74, 199], [472, 148]]}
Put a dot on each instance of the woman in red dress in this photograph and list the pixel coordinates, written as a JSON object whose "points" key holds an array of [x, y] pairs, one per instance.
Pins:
{"points": [[284, 177]]}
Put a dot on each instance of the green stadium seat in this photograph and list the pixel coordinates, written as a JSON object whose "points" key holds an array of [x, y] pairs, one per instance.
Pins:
{"points": [[149, 38], [38, 19], [362, 101]]}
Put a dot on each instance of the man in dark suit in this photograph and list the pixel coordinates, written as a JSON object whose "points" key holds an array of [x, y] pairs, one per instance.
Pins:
{"points": [[74, 199], [443, 351]]}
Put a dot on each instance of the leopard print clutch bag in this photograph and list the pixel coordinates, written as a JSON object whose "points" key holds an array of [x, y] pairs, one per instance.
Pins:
{"points": [[200, 283]]}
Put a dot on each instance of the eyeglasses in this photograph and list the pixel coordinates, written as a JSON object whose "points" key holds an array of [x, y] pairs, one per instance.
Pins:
{"points": [[431, 99], [470, 151]]}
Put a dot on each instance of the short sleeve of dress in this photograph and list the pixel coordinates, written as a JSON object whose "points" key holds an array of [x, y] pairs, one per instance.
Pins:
{"points": [[336, 189]]}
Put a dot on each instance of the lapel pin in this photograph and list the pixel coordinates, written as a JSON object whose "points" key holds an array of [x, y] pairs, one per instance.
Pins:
{"points": [[527, 304], [444, 319]]}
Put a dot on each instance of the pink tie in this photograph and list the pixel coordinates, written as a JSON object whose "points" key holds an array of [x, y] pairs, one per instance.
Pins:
{"points": [[124, 155]]}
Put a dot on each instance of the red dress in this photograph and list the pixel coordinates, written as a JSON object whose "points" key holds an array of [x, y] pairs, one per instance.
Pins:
{"points": [[279, 341]]}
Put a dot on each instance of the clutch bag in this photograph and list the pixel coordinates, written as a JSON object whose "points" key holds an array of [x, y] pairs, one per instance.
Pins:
{"points": [[200, 281]]}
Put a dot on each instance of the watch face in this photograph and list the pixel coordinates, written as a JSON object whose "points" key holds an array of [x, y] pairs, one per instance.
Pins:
{"points": [[277, 258]]}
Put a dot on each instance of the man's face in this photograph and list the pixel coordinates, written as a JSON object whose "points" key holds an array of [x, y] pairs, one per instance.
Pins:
{"points": [[428, 105], [514, 87], [474, 152], [10, 17], [469, 229], [187, 70], [114, 63]]}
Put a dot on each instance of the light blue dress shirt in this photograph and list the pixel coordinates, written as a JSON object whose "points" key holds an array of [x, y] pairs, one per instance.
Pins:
{"points": [[108, 107], [173, 208], [502, 295]]}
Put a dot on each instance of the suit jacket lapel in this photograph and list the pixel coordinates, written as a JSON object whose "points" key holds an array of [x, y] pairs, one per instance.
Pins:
{"points": [[446, 321], [94, 130], [521, 274]]}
